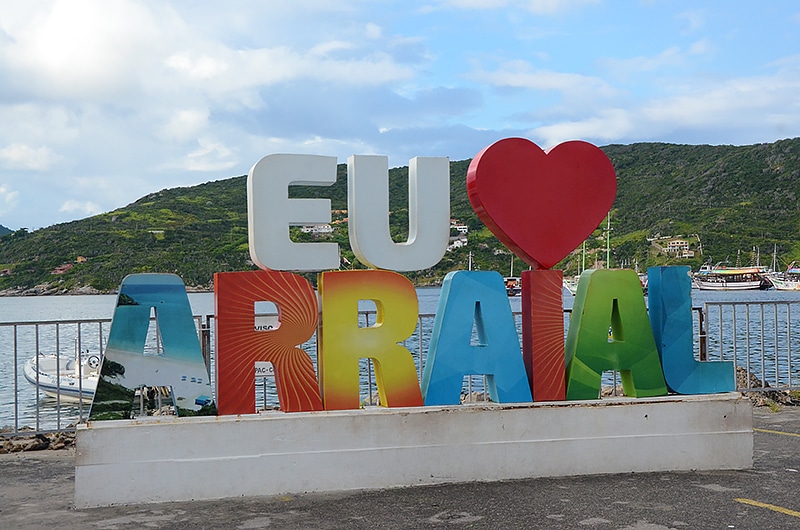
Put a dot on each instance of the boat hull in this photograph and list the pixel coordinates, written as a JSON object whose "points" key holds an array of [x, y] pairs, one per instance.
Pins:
{"points": [[571, 286], [724, 285], [787, 281], [786, 285], [58, 379]]}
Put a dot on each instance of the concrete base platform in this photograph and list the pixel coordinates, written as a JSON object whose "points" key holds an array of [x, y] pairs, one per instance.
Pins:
{"points": [[177, 459]]}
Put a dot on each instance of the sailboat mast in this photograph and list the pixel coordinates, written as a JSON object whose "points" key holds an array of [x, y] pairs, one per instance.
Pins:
{"points": [[608, 242], [775, 258], [583, 257]]}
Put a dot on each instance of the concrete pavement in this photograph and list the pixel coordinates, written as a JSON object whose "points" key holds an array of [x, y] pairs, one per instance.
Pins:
{"points": [[37, 489]]}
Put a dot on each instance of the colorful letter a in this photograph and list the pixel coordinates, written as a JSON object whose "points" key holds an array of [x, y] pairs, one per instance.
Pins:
{"points": [[479, 298], [611, 299]]}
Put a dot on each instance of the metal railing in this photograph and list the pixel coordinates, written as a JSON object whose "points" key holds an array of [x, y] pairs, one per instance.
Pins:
{"points": [[18, 343], [759, 337], [27, 404]]}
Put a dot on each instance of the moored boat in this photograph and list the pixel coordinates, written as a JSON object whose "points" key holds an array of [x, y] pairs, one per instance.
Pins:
{"points": [[68, 378], [643, 279], [513, 285], [722, 278], [571, 284], [787, 281]]}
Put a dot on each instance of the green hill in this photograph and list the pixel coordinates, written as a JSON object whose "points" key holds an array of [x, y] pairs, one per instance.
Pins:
{"points": [[733, 198], [720, 199]]}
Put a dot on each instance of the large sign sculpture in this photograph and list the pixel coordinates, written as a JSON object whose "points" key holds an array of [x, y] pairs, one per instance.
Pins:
{"points": [[541, 205]]}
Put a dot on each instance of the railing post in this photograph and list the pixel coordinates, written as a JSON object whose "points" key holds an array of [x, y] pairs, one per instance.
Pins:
{"points": [[701, 332], [205, 341]]}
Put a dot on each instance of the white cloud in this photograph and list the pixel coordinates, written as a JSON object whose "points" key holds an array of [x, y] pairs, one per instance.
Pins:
{"points": [[743, 110], [520, 74], [701, 47], [328, 48], [694, 20], [185, 124], [25, 157], [234, 72], [84, 208], [211, 156], [38, 122], [82, 48], [790, 63], [8, 199], [373, 31], [670, 57], [123, 52], [739, 101], [197, 68], [607, 126]]}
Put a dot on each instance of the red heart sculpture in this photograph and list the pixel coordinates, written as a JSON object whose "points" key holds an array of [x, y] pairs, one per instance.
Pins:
{"points": [[541, 205]]}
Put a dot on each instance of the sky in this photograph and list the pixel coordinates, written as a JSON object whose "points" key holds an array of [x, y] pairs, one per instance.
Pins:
{"points": [[105, 101]]}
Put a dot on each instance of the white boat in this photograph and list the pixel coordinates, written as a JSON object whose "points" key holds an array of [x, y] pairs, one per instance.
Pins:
{"points": [[722, 278], [571, 284], [787, 281], [513, 283], [70, 378]]}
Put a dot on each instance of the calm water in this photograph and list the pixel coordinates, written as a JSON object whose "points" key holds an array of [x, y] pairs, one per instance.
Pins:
{"points": [[100, 307]]}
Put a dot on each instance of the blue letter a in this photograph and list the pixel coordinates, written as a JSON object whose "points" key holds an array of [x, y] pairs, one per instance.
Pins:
{"points": [[480, 298]]}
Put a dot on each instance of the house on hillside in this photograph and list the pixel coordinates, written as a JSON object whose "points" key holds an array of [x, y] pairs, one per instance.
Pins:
{"points": [[456, 242], [317, 229], [679, 248], [459, 227]]}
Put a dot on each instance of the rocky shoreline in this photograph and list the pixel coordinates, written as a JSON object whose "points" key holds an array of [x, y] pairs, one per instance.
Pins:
{"points": [[773, 399], [38, 442], [48, 289]]}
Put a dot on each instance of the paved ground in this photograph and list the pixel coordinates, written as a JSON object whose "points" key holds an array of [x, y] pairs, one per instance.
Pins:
{"points": [[37, 488]]}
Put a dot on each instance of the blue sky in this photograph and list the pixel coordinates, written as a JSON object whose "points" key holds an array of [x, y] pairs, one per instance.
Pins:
{"points": [[105, 101]]}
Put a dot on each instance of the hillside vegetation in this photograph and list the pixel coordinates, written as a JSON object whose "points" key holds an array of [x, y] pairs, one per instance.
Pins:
{"points": [[728, 202]]}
